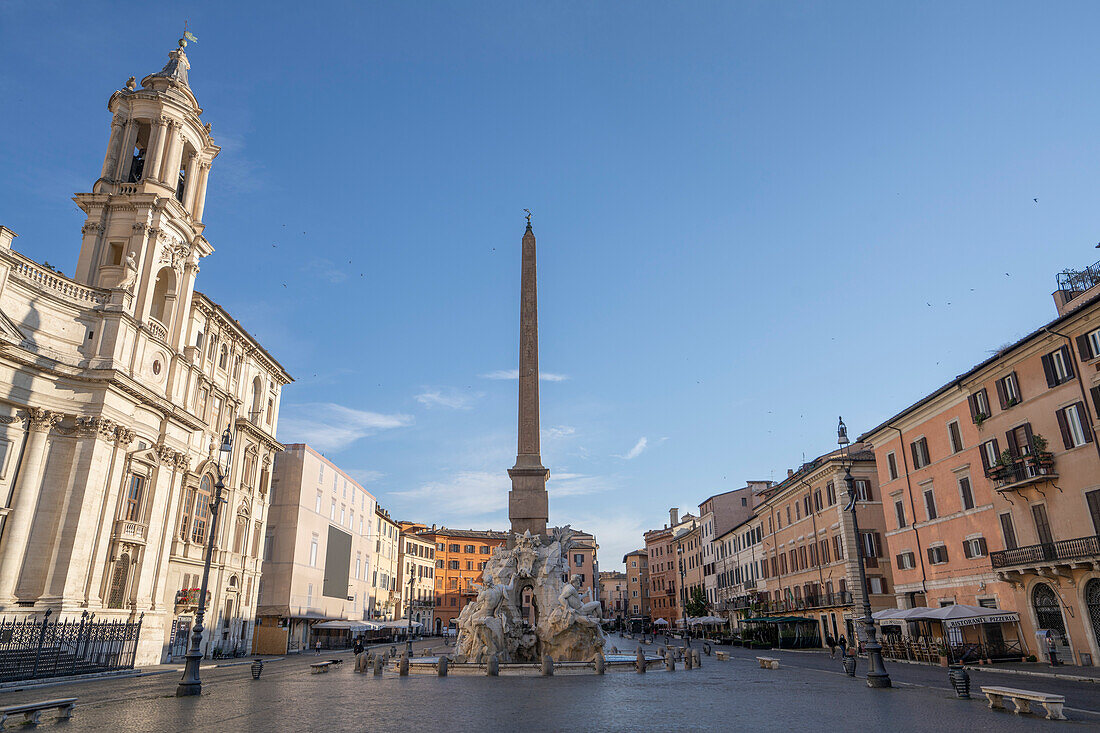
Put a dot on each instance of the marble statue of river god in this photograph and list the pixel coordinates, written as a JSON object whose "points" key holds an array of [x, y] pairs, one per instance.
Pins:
{"points": [[559, 621]]}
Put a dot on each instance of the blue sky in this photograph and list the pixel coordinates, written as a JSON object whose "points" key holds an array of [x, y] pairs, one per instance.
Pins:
{"points": [[752, 217]]}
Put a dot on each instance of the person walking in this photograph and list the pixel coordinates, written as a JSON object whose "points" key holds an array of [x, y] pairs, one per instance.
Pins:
{"points": [[831, 643], [843, 644], [1052, 649]]}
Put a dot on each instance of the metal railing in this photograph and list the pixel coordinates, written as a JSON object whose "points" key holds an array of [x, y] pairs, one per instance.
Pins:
{"points": [[37, 649], [1046, 552], [1023, 469], [1075, 282], [842, 598]]}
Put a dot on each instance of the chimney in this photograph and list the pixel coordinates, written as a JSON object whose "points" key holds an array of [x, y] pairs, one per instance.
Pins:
{"points": [[674, 516], [790, 472], [6, 235]]}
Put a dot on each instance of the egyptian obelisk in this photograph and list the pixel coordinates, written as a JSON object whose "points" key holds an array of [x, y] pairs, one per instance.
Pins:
{"points": [[528, 506]]}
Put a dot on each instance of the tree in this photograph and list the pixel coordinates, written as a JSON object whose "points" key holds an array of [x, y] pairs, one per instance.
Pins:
{"points": [[697, 604]]}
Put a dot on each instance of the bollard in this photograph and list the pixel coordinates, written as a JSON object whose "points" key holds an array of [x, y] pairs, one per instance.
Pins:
{"points": [[663, 651], [639, 661], [492, 666], [599, 663], [441, 667], [697, 660], [403, 665], [257, 668], [378, 666], [688, 661], [670, 663], [547, 666]]}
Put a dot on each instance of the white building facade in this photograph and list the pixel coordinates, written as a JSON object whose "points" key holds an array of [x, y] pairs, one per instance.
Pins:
{"points": [[116, 385]]}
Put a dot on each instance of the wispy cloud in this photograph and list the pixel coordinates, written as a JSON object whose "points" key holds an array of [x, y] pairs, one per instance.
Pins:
{"points": [[326, 270], [558, 431], [514, 374], [577, 484], [636, 450], [364, 475], [447, 398], [465, 494], [329, 427], [617, 533]]}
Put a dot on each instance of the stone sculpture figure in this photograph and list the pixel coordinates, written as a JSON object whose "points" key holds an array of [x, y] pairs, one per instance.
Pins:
{"points": [[130, 275]]}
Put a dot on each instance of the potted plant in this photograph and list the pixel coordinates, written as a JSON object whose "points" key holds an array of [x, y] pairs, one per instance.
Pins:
{"points": [[980, 418]]}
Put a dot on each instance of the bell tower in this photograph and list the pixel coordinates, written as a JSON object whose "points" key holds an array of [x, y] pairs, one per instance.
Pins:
{"points": [[143, 235]]}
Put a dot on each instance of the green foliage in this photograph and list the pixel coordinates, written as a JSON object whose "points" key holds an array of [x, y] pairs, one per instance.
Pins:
{"points": [[697, 604]]}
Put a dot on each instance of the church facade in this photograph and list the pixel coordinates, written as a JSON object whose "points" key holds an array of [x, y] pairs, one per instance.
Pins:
{"points": [[115, 386]]}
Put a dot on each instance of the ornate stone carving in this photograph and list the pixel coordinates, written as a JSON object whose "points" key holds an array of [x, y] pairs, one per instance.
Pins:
{"points": [[567, 627], [131, 84], [164, 453], [91, 226], [99, 427], [129, 277], [175, 254], [183, 462], [42, 421], [124, 436]]}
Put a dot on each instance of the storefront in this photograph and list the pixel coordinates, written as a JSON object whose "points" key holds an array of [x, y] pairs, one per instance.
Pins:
{"points": [[956, 633]]}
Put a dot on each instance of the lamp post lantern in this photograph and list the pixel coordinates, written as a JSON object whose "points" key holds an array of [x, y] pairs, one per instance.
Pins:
{"points": [[190, 684], [876, 674], [409, 632], [683, 592]]}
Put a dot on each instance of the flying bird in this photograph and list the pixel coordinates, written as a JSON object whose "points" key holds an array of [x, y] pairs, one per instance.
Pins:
{"points": [[1035, 200]]}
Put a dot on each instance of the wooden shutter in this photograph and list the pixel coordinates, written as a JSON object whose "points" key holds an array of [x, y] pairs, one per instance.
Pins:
{"points": [[984, 456], [878, 544], [924, 448], [1030, 437], [916, 455], [973, 407], [1083, 413], [1067, 358], [931, 556], [1019, 389], [1002, 393], [897, 561], [966, 549], [1063, 426], [982, 546], [1048, 370], [1096, 397], [1013, 449], [1084, 347]]}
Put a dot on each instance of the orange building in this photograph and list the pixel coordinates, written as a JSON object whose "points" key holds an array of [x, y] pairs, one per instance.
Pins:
{"points": [[665, 587], [583, 562], [460, 556], [637, 589], [809, 545], [995, 483]]}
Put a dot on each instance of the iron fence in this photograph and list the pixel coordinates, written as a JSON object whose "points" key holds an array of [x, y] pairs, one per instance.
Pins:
{"points": [[1078, 548], [37, 649]]}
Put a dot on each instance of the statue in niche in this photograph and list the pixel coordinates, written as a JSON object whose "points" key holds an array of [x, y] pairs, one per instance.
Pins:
{"points": [[130, 274]]}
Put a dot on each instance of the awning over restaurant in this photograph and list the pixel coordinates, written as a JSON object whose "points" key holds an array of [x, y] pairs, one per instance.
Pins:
{"points": [[348, 625], [956, 615]]}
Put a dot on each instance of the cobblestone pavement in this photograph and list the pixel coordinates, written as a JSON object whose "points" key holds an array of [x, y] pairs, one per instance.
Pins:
{"points": [[808, 693]]}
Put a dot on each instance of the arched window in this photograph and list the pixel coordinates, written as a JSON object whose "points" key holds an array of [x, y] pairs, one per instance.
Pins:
{"points": [[240, 534], [163, 292], [213, 349], [121, 574], [200, 515], [223, 358], [256, 412], [185, 512], [237, 367]]}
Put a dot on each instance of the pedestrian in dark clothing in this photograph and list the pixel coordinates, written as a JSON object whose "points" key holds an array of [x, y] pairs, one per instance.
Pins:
{"points": [[357, 647], [831, 643], [843, 644]]}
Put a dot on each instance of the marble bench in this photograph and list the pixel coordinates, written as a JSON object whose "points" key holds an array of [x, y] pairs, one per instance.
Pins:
{"points": [[768, 662], [1022, 699], [32, 710], [722, 656], [319, 667]]}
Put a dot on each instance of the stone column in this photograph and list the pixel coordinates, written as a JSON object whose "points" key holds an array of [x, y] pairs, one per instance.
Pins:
{"points": [[110, 160], [17, 526], [191, 179], [154, 155], [108, 511], [93, 464], [169, 172], [126, 151], [200, 201]]}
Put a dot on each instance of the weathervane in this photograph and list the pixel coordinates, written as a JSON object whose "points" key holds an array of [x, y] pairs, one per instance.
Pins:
{"points": [[187, 36], [528, 215]]}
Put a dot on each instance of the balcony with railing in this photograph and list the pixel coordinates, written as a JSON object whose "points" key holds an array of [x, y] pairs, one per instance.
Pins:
{"points": [[824, 600], [1023, 471], [128, 531], [1047, 553], [1075, 282]]}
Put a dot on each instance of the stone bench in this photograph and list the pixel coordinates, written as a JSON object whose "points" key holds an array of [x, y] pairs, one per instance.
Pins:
{"points": [[1022, 699], [722, 656], [768, 662], [32, 710], [319, 667]]}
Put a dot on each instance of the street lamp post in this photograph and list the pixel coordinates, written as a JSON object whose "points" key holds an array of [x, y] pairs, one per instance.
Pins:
{"points": [[683, 592], [409, 632], [876, 674], [190, 684]]}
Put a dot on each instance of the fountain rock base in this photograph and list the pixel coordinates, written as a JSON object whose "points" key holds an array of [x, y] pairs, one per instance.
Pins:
{"points": [[557, 620]]}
